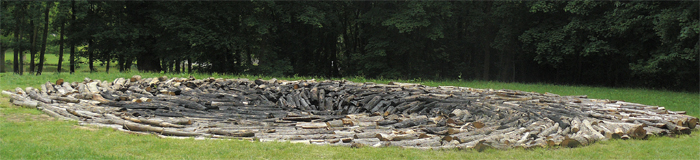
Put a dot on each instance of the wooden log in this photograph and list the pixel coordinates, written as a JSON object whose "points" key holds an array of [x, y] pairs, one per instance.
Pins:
{"points": [[575, 125], [655, 131], [411, 122], [595, 133], [233, 133], [64, 99], [424, 142], [140, 127], [83, 114], [154, 122], [637, 131], [372, 142], [55, 115], [322, 137], [311, 125], [32, 93], [174, 132], [397, 137], [8, 93], [660, 125], [27, 103], [190, 104], [575, 141], [674, 128], [335, 123], [555, 140], [549, 130]]}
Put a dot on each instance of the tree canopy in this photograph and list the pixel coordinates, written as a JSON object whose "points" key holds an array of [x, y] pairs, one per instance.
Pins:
{"points": [[606, 43]]}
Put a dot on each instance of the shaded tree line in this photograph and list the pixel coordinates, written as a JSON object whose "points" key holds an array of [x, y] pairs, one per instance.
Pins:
{"points": [[603, 43]]}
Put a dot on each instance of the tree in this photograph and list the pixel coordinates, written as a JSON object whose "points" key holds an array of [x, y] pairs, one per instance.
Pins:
{"points": [[46, 33]]}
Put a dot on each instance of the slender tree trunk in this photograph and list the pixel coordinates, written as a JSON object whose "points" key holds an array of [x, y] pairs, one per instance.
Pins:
{"points": [[60, 49], [177, 65], [2, 60], [72, 45], [487, 62], [120, 62], [189, 65], [163, 64], [128, 61], [108, 61], [91, 57], [20, 68], [72, 58], [172, 66], [18, 47], [46, 34], [32, 48]]}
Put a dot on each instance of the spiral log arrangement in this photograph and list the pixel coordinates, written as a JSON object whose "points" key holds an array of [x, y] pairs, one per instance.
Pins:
{"points": [[349, 114]]}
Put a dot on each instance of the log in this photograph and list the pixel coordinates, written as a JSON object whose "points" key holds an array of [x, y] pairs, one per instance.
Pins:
{"points": [[174, 132], [397, 137], [674, 128], [411, 122], [311, 125], [37, 97], [425, 142], [153, 122], [55, 115], [595, 133], [64, 99], [140, 127], [27, 103], [232, 133]]}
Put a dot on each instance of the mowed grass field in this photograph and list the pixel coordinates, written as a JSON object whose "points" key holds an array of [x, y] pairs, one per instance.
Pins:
{"points": [[30, 134]]}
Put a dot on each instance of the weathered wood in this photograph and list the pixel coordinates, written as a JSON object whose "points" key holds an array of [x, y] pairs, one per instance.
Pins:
{"points": [[155, 122], [316, 112], [32, 93], [233, 133]]}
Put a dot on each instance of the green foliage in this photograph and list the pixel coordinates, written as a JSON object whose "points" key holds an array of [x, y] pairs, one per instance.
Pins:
{"points": [[598, 43]]}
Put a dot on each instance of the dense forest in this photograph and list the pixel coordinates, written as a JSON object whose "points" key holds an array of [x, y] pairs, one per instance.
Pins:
{"points": [[647, 44]]}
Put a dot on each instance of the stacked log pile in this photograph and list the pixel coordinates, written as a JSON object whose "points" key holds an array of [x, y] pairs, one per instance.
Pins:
{"points": [[349, 114]]}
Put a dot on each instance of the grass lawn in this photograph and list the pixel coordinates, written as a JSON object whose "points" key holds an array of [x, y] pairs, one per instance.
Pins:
{"points": [[30, 134]]}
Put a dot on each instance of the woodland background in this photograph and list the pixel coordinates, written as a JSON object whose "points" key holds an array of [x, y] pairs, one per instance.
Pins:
{"points": [[598, 43]]}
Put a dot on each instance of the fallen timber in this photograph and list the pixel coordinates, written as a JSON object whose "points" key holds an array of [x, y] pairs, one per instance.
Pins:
{"points": [[352, 114]]}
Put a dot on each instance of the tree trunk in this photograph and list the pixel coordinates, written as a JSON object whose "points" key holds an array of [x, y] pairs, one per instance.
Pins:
{"points": [[46, 34], [18, 48], [60, 49], [19, 62], [91, 57], [172, 66], [148, 62], [108, 63], [127, 63], [120, 63], [487, 62], [189, 65], [32, 48], [72, 46], [177, 65], [2, 60]]}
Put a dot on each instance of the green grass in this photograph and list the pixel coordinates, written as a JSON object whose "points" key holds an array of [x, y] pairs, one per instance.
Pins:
{"points": [[28, 134]]}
